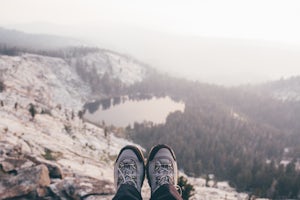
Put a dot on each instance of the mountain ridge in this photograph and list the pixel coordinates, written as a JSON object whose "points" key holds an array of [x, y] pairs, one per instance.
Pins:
{"points": [[224, 61], [36, 41]]}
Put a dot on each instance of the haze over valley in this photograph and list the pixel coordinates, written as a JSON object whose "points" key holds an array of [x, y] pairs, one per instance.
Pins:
{"points": [[215, 42], [215, 60]]}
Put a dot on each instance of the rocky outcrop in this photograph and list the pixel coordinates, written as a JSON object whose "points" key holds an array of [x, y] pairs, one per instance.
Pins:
{"points": [[24, 176], [55, 171], [80, 188], [24, 182]]}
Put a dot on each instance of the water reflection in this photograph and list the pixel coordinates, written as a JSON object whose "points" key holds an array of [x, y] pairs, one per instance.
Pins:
{"points": [[124, 111]]}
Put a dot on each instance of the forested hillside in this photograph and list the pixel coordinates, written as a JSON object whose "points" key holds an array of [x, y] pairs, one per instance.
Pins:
{"points": [[237, 134]]}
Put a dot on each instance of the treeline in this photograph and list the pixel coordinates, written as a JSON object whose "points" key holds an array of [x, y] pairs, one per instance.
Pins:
{"points": [[10, 50], [35, 41], [65, 53], [237, 135], [100, 84]]}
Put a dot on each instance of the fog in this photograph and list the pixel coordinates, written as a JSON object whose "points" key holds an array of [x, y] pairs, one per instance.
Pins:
{"points": [[208, 59], [222, 43]]}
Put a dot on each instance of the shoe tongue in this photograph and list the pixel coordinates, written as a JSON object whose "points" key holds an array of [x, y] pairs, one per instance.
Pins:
{"points": [[128, 161], [164, 162]]}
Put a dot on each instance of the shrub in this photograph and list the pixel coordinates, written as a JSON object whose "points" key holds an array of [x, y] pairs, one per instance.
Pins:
{"points": [[50, 155], [46, 112], [187, 189], [68, 128]]}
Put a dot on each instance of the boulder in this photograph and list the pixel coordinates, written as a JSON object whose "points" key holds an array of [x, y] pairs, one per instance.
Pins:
{"points": [[9, 164], [24, 183], [7, 149], [55, 170], [25, 176], [81, 188]]}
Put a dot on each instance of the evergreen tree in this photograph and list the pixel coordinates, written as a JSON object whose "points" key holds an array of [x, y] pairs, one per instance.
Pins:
{"points": [[2, 86], [32, 110]]}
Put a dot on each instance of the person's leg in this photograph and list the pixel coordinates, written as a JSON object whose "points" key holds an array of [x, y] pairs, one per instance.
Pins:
{"points": [[129, 173], [126, 191], [166, 191], [162, 173]]}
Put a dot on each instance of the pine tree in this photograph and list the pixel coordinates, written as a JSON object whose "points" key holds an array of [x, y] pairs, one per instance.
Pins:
{"points": [[32, 110], [2, 86]]}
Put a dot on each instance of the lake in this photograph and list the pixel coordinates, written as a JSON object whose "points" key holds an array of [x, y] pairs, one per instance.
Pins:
{"points": [[124, 111]]}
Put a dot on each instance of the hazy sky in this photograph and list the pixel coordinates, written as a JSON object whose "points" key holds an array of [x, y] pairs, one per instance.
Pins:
{"points": [[263, 19], [277, 21]]}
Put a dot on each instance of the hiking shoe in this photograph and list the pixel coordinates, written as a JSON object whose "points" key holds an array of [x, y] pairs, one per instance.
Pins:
{"points": [[161, 167], [129, 167]]}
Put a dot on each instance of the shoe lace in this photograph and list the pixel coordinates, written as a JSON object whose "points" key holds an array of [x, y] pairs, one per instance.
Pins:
{"points": [[127, 172], [164, 173], [179, 189]]}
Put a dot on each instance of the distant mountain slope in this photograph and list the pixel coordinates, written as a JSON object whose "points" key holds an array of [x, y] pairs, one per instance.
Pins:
{"points": [[46, 80], [69, 81], [108, 72], [285, 89], [35, 41]]}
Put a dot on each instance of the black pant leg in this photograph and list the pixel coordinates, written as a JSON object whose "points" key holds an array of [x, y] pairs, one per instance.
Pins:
{"points": [[127, 192], [166, 192]]}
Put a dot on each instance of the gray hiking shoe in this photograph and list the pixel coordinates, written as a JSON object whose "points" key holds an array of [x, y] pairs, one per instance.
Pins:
{"points": [[161, 167], [129, 167]]}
